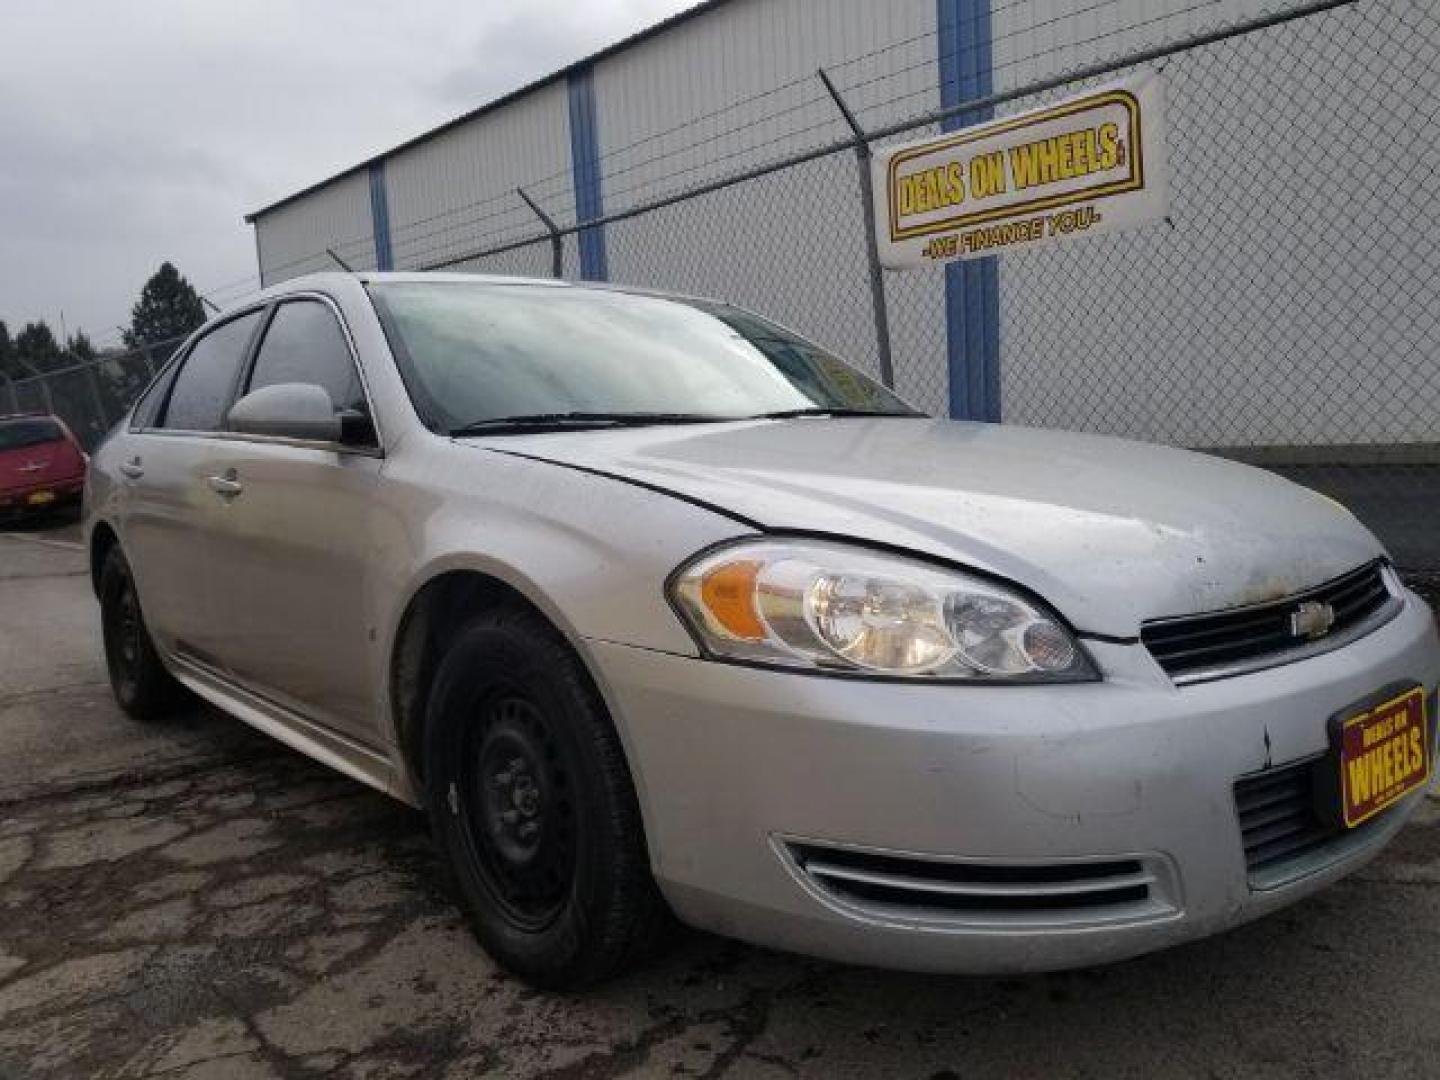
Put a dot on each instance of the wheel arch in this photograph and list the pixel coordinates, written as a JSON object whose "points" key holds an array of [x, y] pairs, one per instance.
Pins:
{"points": [[437, 606]]}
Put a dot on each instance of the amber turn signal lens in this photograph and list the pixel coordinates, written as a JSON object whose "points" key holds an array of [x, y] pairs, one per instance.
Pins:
{"points": [[728, 593]]}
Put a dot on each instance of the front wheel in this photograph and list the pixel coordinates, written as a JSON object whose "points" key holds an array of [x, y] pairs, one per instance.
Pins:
{"points": [[532, 803], [142, 686]]}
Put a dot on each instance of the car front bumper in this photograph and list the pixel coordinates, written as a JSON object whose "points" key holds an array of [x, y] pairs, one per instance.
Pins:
{"points": [[736, 766]]}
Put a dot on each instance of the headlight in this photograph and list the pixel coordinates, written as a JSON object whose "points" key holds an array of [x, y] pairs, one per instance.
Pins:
{"points": [[830, 607]]}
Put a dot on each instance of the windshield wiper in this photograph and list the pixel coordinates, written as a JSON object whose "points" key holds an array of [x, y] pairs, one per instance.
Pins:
{"points": [[820, 410], [567, 421]]}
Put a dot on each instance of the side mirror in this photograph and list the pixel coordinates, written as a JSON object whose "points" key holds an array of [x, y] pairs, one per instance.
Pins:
{"points": [[288, 411]]}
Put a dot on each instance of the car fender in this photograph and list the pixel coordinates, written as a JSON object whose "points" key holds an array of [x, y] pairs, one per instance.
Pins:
{"points": [[591, 553]]}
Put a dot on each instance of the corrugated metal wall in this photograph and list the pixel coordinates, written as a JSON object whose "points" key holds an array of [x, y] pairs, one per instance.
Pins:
{"points": [[451, 192], [291, 239]]}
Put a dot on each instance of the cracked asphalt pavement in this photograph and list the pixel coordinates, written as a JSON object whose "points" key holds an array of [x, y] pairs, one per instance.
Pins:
{"points": [[191, 900]]}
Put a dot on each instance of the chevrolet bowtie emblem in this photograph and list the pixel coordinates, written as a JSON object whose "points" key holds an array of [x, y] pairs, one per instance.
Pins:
{"points": [[1311, 620]]}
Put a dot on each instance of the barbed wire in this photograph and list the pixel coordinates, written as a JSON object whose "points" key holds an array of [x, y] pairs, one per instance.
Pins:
{"points": [[538, 185], [832, 122], [405, 242], [411, 247], [818, 98]]}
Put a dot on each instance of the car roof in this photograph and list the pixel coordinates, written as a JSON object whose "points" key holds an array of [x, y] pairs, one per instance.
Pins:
{"points": [[28, 416], [331, 280]]}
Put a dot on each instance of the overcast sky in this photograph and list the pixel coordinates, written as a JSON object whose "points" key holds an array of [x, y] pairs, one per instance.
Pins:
{"points": [[143, 130]]}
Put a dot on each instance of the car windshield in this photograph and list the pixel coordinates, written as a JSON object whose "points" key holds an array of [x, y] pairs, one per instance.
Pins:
{"points": [[18, 434], [483, 356]]}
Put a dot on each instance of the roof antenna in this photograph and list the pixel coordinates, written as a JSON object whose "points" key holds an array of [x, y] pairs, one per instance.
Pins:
{"points": [[343, 264], [209, 303]]}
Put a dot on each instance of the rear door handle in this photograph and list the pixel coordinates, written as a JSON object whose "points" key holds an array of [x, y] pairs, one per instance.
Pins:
{"points": [[133, 469], [227, 486]]}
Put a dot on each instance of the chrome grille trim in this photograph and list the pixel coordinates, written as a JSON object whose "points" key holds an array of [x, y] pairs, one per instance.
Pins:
{"points": [[900, 887], [1234, 641], [829, 871]]}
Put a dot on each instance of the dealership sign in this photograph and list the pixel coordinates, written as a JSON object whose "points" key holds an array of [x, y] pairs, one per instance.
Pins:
{"points": [[1087, 165]]}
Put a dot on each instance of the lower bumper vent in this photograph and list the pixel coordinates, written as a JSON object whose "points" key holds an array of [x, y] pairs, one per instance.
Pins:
{"points": [[1278, 820], [987, 892], [1283, 830]]}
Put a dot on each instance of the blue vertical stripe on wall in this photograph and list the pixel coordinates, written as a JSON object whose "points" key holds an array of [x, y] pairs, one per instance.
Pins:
{"points": [[972, 287], [380, 217], [585, 166]]}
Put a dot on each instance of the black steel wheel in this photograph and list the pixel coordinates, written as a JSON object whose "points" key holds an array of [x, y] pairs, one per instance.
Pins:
{"points": [[519, 816], [531, 802], [138, 679]]}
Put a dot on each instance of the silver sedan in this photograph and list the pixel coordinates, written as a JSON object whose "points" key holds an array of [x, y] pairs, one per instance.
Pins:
{"points": [[655, 607]]}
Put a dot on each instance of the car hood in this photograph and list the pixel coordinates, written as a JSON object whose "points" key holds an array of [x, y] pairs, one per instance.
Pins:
{"points": [[1110, 532]]}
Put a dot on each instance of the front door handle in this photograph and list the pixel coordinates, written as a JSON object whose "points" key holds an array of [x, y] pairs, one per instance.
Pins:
{"points": [[227, 486], [133, 469]]}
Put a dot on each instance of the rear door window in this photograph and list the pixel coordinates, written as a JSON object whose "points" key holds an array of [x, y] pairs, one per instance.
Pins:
{"points": [[305, 344], [202, 390]]}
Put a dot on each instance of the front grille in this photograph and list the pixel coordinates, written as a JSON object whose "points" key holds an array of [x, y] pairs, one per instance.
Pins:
{"points": [[1197, 647], [983, 891]]}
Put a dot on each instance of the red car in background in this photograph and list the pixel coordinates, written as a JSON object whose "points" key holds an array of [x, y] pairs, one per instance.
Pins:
{"points": [[42, 465]]}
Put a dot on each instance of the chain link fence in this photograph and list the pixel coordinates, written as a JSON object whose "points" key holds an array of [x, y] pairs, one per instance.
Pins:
{"points": [[91, 397]]}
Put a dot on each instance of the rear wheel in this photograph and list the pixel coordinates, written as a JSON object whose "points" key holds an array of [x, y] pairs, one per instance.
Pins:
{"points": [[532, 803], [142, 686]]}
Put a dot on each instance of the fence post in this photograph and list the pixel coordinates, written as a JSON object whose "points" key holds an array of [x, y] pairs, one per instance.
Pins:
{"points": [[878, 301], [93, 378], [557, 252]]}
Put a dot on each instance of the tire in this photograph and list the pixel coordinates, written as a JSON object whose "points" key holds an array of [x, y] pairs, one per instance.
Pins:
{"points": [[138, 679], [532, 804]]}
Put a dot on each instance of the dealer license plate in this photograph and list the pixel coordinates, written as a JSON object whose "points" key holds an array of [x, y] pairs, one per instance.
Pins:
{"points": [[1386, 752], [41, 498]]}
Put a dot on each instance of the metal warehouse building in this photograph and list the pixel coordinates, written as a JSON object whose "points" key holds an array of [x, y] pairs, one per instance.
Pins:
{"points": [[1289, 303]]}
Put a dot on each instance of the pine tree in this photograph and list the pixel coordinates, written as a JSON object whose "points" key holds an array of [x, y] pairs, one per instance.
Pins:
{"points": [[37, 351], [8, 368], [168, 308], [79, 350]]}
